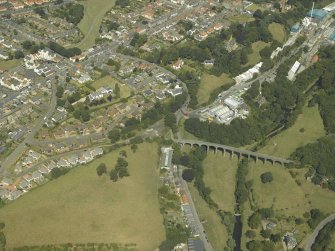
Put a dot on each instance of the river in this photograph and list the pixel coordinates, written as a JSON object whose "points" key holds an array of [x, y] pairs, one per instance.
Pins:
{"points": [[237, 233]]}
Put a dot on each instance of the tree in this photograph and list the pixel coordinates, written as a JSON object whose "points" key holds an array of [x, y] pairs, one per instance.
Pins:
{"points": [[59, 91], [188, 175], [254, 220], [275, 238], [266, 233], [123, 172], [2, 225], [123, 153], [101, 169], [18, 54], [113, 175], [114, 135], [184, 160], [117, 90], [85, 115], [170, 121], [266, 177], [250, 234], [134, 147], [3, 241]]}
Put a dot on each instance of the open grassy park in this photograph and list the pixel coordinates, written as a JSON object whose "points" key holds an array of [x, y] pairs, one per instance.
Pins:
{"points": [[209, 83], [218, 168], [81, 207], [277, 31], [307, 128], [94, 11]]}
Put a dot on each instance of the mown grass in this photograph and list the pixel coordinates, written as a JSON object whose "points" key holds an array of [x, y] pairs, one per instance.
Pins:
{"points": [[241, 18], [277, 31], [6, 65], [307, 128], [94, 11], [215, 231], [209, 83], [81, 207]]}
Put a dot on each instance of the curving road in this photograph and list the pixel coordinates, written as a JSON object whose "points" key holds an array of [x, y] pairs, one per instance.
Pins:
{"points": [[310, 240], [16, 154]]}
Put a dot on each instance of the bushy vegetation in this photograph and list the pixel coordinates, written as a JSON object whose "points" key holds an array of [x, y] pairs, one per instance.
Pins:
{"points": [[319, 155], [323, 240], [138, 40], [155, 114], [71, 12], [70, 52], [120, 170], [266, 177], [242, 186]]}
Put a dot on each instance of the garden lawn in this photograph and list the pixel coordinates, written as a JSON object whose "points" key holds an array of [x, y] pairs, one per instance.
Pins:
{"points": [[6, 65], [81, 207], [307, 128], [277, 31], [110, 81], [208, 84]]}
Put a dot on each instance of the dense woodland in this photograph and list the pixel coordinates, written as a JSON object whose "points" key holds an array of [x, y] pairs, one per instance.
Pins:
{"points": [[323, 240], [71, 12], [319, 155]]}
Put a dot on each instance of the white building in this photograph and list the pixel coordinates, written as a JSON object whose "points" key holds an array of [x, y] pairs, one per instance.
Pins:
{"points": [[249, 74]]}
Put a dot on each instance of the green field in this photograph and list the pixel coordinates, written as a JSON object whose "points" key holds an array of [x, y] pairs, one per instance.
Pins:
{"points": [[255, 7], [94, 11], [286, 142], [241, 18], [81, 207], [5, 65], [215, 231], [208, 84], [110, 81], [277, 31], [254, 57], [220, 177]]}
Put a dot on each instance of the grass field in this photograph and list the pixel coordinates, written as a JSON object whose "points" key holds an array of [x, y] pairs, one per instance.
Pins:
{"points": [[254, 57], [216, 232], [110, 81], [220, 177], [5, 65], [255, 7], [94, 11], [81, 207], [286, 142], [277, 31], [208, 84], [241, 18]]}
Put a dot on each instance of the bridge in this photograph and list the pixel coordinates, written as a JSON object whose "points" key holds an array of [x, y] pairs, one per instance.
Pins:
{"points": [[233, 151]]}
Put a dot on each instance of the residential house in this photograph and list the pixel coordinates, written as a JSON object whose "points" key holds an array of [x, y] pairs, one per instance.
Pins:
{"points": [[24, 185], [13, 195], [37, 176], [178, 64]]}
